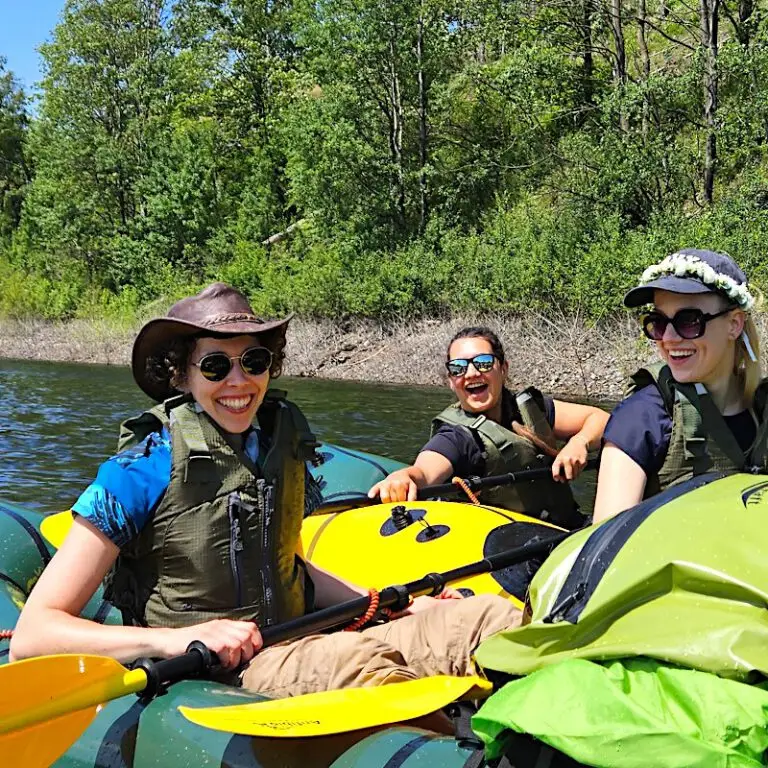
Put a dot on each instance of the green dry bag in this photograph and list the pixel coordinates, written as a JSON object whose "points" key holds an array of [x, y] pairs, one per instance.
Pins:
{"points": [[681, 578], [635, 714]]}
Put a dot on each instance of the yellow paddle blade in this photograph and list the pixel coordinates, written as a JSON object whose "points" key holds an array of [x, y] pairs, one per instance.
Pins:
{"points": [[56, 527], [38, 746], [47, 702], [348, 709]]}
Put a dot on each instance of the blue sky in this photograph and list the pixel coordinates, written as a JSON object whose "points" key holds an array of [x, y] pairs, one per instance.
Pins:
{"points": [[24, 24]]}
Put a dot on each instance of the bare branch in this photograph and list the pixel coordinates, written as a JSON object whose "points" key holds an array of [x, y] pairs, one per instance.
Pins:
{"points": [[671, 39]]}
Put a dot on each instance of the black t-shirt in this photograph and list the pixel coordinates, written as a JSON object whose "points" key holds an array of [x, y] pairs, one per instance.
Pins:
{"points": [[641, 427], [464, 451]]}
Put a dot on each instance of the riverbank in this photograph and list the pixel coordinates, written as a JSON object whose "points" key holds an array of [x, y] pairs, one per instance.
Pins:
{"points": [[563, 355]]}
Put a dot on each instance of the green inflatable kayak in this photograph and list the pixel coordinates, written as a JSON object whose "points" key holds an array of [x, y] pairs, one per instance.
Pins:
{"points": [[130, 733], [345, 475]]}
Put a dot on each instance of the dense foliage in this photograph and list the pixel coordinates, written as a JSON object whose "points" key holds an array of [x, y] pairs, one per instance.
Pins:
{"points": [[377, 158]]}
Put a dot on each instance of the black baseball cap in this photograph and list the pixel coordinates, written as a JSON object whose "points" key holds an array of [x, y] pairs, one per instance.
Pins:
{"points": [[673, 276]]}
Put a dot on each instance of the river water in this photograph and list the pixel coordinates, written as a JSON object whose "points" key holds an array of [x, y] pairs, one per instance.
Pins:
{"points": [[59, 421]]}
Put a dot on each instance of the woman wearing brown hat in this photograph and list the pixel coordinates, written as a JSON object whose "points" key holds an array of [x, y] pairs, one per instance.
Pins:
{"points": [[703, 407], [196, 526]]}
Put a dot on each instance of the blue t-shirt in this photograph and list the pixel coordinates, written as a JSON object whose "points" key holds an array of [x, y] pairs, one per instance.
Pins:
{"points": [[129, 486], [464, 451], [641, 427]]}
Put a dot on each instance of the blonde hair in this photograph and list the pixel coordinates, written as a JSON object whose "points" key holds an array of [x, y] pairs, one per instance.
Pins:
{"points": [[746, 369]]}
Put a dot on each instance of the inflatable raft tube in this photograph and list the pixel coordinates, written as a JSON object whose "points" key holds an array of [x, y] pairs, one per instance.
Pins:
{"points": [[345, 475], [395, 543]]}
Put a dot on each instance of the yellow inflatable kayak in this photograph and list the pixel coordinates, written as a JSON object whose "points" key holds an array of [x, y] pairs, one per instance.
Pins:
{"points": [[395, 543]]}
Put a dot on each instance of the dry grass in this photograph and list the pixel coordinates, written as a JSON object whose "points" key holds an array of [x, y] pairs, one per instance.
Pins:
{"points": [[567, 355], [562, 354], [83, 341]]}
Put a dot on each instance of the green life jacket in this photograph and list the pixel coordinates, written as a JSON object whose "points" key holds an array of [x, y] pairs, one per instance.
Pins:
{"points": [[701, 440], [504, 451], [224, 539], [681, 578]]}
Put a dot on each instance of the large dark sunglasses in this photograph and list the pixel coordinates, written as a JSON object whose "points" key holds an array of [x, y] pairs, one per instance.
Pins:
{"points": [[458, 367], [689, 323], [216, 366]]}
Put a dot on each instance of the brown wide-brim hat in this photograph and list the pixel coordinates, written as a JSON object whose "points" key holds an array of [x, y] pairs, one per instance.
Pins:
{"points": [[218, 310]]}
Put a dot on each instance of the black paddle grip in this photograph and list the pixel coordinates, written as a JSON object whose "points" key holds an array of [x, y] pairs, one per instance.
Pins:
{"points": [[196, 661], [403, 597], [438, 583]]}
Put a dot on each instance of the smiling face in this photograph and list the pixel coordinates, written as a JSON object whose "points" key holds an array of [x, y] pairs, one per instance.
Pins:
{"points": [[233, 402], [710, 358], [478, 392]]}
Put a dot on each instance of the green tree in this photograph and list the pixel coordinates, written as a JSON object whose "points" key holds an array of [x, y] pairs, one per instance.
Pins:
{"points": [[103, 115], [15, 172], [359, 128]]}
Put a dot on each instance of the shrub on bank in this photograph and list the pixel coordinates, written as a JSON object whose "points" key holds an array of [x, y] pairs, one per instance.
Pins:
{"points": [[537, 256], [534, 257]]}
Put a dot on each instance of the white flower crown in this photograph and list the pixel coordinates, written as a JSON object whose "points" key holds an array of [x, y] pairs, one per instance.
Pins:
{"points": [[688, 265]]}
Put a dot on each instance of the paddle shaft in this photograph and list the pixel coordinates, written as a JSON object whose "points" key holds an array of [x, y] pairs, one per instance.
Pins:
{"points": [[492, 481], [445, 489], [198, 659], [432, 583]]}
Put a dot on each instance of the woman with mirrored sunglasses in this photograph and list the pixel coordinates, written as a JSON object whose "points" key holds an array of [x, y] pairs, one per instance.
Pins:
{"points": [[702, 406], [492, 431], [197, 523]]}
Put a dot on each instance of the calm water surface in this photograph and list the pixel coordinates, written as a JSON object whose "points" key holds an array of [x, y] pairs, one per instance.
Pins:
{"points": [[60, 421]]}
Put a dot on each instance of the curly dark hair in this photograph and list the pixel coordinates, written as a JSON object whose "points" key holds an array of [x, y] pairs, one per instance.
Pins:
{"points": [[478, 332], [169, 365]]}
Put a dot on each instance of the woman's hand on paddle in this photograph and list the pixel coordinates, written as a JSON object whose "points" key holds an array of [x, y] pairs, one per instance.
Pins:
{"points": [[571, 460], [399, 486], [404, 484], [234, 642]]}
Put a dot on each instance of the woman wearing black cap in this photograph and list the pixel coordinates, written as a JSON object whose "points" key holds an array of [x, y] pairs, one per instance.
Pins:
{"points": [[703, 407], [197, 521]]}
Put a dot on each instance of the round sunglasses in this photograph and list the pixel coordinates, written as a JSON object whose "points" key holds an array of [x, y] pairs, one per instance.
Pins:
{"points": [[689, 323], [458, 367], [216, 365]]}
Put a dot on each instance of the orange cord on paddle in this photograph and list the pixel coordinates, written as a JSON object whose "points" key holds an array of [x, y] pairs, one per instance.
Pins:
{"points": [[465, 487], [373, 606], [6, 634]]}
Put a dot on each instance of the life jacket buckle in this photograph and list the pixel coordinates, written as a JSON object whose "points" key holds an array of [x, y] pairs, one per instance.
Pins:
{"points": [[198, 472]]}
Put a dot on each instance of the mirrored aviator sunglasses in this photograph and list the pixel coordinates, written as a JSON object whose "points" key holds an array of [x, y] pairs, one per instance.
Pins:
{"points": [[688, 323], [482, 363], [216, 366]]}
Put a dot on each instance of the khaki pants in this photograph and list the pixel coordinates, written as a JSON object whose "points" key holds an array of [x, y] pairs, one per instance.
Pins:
{"points": [[437, 641]]}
